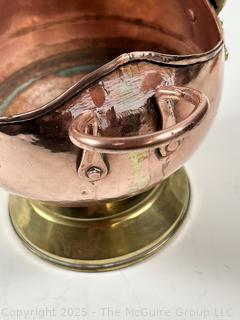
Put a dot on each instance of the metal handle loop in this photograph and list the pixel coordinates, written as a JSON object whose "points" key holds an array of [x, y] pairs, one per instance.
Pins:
{"points": [[78, 135]]}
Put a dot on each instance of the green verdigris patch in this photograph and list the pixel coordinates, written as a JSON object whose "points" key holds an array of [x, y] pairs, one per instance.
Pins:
{"points": [[141, 177]]}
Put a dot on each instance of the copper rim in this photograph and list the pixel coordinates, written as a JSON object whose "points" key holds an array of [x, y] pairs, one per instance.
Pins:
{"points": [[156, 57]]}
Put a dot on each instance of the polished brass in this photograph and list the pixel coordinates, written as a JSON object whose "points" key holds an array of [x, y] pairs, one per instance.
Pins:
{"points": [[106, 237]]}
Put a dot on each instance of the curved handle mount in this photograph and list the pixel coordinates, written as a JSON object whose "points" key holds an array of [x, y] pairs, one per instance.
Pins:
{"points": [[83, 132], [78, 135]]}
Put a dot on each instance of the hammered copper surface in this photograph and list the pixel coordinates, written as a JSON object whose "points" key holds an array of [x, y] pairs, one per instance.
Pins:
{"points": [[46, 47]]}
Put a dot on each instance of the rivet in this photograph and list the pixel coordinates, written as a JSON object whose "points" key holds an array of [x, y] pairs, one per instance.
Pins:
{"points": [[94, 173]]}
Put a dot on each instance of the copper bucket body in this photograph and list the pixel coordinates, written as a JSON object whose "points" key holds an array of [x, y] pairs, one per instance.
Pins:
{"points": [[103, 100]]}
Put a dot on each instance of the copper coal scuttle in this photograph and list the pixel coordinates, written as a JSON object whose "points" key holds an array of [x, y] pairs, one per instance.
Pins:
{"points": [[102, 102]]}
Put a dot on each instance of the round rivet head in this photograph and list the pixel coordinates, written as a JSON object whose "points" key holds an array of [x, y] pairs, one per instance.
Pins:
{"points": [[94, 173]]}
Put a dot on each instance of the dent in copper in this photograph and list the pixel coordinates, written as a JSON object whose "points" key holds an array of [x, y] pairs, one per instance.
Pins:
{"points": [[60, 59]]}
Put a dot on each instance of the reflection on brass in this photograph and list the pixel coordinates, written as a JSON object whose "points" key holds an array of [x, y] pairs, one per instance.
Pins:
{"points": [[125, 232], [100, 102]]}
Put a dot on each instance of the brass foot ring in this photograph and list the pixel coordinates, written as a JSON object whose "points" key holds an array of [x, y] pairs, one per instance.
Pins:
{"points": [[103, 242]]}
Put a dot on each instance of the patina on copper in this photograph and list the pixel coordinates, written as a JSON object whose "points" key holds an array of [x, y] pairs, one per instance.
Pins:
{"points": [[62, 60]]}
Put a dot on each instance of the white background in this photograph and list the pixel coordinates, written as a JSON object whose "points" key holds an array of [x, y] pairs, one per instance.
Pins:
{"points": [[196, 276]]}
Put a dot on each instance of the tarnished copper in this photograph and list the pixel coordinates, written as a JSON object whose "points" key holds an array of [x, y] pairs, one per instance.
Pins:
{"points": [[55, 76]]}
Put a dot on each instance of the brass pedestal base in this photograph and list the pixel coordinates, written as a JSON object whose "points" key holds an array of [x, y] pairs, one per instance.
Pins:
{"points": [[104, 237]]}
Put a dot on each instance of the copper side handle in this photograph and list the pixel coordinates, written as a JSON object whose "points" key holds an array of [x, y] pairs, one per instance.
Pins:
{"points": [[78, 135]]}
